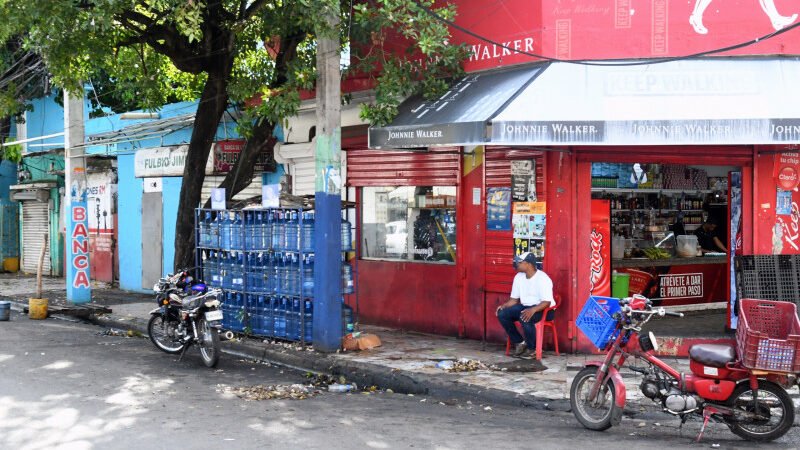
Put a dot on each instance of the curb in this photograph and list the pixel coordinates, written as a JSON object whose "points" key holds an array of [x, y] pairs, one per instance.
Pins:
{"points": [[365, 374]]}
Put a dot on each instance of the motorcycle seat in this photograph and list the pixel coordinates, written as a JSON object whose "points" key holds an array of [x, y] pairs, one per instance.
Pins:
{"points": [[712, 355]]}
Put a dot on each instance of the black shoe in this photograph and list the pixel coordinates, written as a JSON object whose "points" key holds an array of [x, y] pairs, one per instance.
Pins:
{"points": [[520, 350]]}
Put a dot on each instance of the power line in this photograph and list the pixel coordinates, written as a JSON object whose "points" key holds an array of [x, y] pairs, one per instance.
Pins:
{"points": [[608, 62]]}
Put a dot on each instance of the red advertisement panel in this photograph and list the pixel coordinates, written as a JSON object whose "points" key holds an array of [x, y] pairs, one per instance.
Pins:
{"points": [[600, 242], [786, 170]]}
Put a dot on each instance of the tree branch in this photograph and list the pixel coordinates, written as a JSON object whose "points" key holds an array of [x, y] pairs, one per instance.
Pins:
{"points": [[252, 10]]}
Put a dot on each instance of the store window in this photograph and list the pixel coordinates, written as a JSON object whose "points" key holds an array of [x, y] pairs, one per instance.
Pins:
{"points": [[409, 223]]}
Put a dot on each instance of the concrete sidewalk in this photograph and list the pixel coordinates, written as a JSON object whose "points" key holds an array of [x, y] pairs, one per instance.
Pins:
{"points": [[406, 362]]}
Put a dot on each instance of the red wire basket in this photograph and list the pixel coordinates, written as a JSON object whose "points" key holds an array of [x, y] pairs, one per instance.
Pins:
{"points": [[768, 335]]}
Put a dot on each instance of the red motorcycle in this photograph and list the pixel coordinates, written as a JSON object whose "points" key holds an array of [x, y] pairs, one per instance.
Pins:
{"points": [[745, 392]]}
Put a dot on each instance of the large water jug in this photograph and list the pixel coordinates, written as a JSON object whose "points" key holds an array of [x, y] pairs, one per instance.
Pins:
{"points": [[347, 278], [268, 319], [296, 314], [308, 275], [280, 274], [213, 230], [253, 274], [210, 268], [308, 319], [257, 314], [293, 274], [266, 230], [292, 229], [254, 231], [202, 225], [279, 232], [347, 236], [280, 317], [225, 231], [237, 232], [307, 232], [247, 235], [225, 270], [237, 269]]}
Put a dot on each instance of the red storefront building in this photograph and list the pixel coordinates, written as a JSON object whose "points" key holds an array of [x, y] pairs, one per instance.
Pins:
{"points": [[653, 146]]}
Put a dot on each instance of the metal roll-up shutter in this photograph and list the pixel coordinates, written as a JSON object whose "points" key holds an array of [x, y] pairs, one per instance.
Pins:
{"points": [[213, 181], [438, 166], [499, 244], [35, 225]]}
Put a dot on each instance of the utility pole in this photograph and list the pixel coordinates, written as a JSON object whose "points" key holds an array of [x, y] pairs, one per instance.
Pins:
{"points": [[327, 329], [79, 288]]}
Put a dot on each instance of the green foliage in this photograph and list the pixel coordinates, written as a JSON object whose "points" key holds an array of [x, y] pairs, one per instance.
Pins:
{"points": [[13, 153], [147, 53]]}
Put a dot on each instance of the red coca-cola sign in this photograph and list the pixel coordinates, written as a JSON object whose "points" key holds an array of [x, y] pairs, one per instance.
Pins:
{"points": [[599, 241]]}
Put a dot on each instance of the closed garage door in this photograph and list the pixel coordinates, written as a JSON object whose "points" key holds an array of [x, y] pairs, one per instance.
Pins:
{"points": [[35, 226]]}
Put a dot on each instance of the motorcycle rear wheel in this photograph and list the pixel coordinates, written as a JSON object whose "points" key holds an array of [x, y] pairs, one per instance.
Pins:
{"points": [[209, 344], [774, 403], [598, 415], [157, 329]]}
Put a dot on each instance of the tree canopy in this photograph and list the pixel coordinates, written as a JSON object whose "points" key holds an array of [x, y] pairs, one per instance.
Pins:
{"points": [[256, 55]]}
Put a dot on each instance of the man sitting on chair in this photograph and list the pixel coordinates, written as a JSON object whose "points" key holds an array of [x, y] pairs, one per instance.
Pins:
{"points": [[531, 293]]}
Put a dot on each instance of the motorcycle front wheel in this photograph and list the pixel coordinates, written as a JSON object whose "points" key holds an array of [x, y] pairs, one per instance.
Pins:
{"points": [[209, 343], [774, 406], [596, 415], [163, 334]]}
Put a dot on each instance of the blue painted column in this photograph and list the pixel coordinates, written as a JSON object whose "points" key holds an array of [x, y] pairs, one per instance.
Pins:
{"points": [[327, 328]]}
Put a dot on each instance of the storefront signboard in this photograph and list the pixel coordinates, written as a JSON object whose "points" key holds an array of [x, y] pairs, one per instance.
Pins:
{"points": [[523, 181], [226, 153], [498, 209], [100, 192], [680, 285], [164, 162]]}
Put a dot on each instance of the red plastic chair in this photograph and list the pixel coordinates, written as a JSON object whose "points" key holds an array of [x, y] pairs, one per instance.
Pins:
{"points": [[540, 326]]}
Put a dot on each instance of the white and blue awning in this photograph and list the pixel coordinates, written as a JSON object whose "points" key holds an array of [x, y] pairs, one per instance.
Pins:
{"points": [[719, 101]]}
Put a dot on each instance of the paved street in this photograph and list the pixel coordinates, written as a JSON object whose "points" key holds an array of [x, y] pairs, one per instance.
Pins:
{"points": [[68, 385]]}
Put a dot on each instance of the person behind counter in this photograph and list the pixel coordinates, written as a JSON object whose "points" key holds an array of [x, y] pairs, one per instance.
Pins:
{"points": [[708, 239]]}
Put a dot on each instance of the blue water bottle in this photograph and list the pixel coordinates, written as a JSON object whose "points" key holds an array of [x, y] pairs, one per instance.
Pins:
{"points": [[213, 231], [308, 232], [266, 230], [280, 318], [225, 231], [292, 227], [236, 232], [308, 319], [347, 236], [308, 275]]}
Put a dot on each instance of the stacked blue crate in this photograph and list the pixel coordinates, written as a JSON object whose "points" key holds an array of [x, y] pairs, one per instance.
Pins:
{"points": [[264, 260]]}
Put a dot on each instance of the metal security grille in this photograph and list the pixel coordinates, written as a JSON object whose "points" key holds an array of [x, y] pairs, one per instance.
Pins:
{"points": [[35, 226]]}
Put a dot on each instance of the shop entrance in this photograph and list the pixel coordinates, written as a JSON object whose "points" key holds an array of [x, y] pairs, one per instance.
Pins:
{"points": [[669, 227]]}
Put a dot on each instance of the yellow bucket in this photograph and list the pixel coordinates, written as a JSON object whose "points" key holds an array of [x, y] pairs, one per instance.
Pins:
{"points": [[37, 308], [11, 264]]}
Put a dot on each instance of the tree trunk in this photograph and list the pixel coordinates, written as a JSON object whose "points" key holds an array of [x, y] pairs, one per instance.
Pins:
{"points": [[241, 174], [213, 103]]}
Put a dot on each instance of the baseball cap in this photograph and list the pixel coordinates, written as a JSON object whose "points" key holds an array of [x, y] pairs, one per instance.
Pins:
{"points": [[528, 257]]}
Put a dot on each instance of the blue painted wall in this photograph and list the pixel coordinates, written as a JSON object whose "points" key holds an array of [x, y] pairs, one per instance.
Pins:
{"points": [[130, 225], [8, 176], [170, 196]]}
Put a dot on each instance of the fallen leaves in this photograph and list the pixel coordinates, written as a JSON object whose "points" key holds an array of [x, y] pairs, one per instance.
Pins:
{"points": [[275, 392]]}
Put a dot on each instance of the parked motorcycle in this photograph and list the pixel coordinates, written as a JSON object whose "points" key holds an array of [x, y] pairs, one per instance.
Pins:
{"points": [[188, 313], [752, 403]]}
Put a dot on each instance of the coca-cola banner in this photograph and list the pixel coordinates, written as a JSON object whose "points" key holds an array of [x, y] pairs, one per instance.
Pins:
{"points": [[600, 242]]}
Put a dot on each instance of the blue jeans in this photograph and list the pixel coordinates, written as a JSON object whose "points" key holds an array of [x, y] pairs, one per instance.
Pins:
{"points": [[508, 316]]}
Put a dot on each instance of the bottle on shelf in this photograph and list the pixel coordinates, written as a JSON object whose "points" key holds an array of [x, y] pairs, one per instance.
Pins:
{"points": [[268, 319], [202, 225], [213, 230], [225, 231], [293, 275], [266, 230], [292, 228], [279, 232], [347, 277], [280, 317], [347, 236], [308, 319], [237, 232], [308, 232], [308, 275]]}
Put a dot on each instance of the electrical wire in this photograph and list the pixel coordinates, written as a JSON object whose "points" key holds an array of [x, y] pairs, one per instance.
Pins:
{"points": [[606, 62]]}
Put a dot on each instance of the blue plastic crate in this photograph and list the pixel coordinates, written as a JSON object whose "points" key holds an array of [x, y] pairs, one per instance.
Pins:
{"points": [[596, 321]]}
